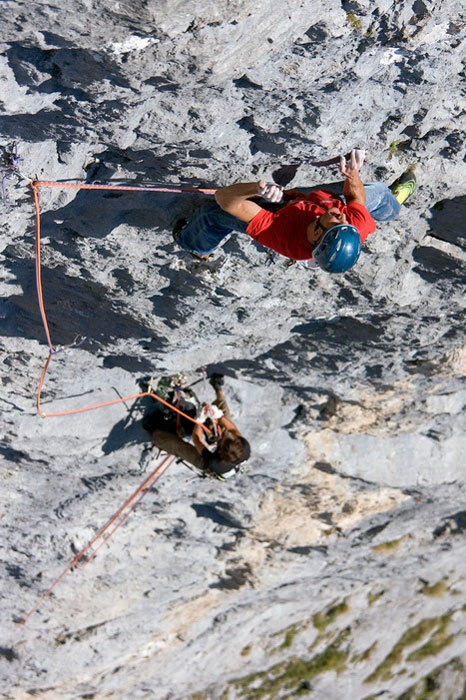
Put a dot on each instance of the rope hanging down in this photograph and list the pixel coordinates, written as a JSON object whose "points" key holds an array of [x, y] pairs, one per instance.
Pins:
{"points": [[87, 554], [36, 184]]}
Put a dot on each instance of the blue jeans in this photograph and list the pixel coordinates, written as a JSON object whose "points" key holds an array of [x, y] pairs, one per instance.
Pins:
{"points": [[207, 227], [210, 224], [380, 202]]}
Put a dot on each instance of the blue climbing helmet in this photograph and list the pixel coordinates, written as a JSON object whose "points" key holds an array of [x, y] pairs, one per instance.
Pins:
{"points": [[338, 248]]}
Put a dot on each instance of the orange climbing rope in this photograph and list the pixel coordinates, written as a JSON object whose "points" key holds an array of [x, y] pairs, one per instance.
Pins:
{"points": [[87, 554], [127, 188], [36, 184]]}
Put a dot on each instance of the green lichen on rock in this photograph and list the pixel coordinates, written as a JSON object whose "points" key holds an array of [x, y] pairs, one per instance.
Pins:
{"points": [[437, 589], [393, 148], [354, 21], [364, 655], [287, 636], [396, 147], [373, 597], [438, 641], [289, 678], [413, 636], [432, 686], [322, 620], [389, 546]]}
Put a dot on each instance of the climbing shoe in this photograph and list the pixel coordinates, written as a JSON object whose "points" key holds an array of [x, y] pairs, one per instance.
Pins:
{"points": [[404, 186], [217, 381]]}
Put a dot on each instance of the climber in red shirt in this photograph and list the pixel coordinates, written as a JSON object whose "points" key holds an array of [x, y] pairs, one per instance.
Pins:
{"points": [[318, 224]]}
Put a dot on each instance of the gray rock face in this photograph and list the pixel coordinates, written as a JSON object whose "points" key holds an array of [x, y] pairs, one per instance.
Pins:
{"points": [[335, 567]]}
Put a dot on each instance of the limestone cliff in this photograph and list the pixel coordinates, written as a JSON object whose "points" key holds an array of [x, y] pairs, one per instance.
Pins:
{"points": [[335, 566]]}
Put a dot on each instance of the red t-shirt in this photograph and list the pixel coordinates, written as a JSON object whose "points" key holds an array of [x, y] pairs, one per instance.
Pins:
{"points": [[285, 230]]}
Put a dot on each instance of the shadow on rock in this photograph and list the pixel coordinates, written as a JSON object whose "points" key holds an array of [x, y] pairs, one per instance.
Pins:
{"points": [[236, 577], [434, 265], [447, 223], [127, 431], [342, 330], [71, 76], [173, 302], [75, 307], [95, 213], [219, 512]]}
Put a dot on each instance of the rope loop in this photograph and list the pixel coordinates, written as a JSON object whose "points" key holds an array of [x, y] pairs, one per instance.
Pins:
{"points": [[87, 554], [57, 349]]}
